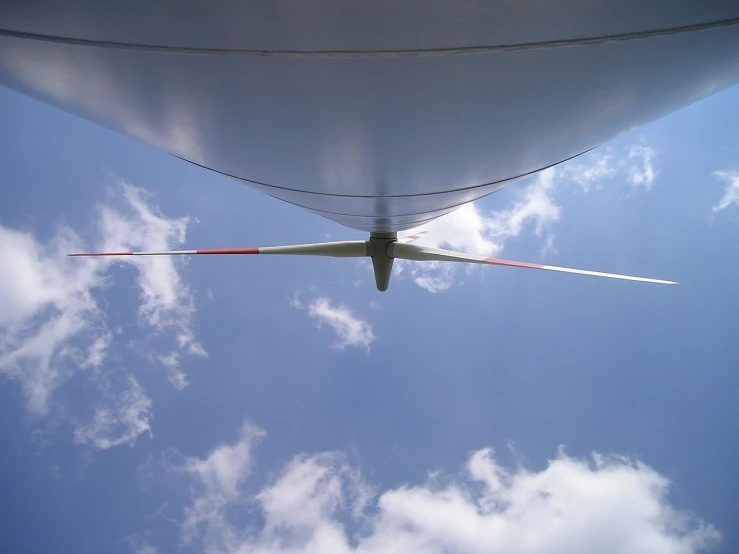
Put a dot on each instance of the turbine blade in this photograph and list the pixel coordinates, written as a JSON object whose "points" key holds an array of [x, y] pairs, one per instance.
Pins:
{"points": [[344, 249], [418, 253], [411, 238]]}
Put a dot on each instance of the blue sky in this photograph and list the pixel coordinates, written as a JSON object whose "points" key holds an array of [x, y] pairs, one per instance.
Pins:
{"points": [[254, 405]]}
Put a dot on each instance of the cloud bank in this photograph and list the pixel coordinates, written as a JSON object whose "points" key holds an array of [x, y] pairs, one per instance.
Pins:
{"points": [[472, 230], [53, 324], [320, 504]]}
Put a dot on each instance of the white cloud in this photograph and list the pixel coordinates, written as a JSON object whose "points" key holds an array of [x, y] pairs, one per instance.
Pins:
{"points": [[470, 230], [731, 192], [177, 377], [308, 491], [45, 301], [218, 479], [350, 329], [51, 320], [592, 169], [640, 166], [166, 301], [97, 351], [635, 166], [536, 207], [121, 423], [610, 505], [432, 276]]}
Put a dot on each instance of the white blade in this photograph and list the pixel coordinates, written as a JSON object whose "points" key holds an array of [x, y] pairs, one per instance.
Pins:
{"points": [[427, 254], [344, 249]]}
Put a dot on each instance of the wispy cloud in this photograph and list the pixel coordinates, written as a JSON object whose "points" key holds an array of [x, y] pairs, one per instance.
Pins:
{"points": [[119, 423], [53, 323], [640, 166], [143, 548], [350, 328], [633, 165], [610, 504], [139, 546], [177, 377], [166, 301], [45, 301], [731, 191], [218, 483], [591, 170], [98, 350], [472, 230]]}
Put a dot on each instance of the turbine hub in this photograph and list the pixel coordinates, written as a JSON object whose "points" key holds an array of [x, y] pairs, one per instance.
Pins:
{"points": [[382, 261]]}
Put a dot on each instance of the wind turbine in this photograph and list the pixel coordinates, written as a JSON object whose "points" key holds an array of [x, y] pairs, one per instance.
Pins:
{"points": [[381, 116]]}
